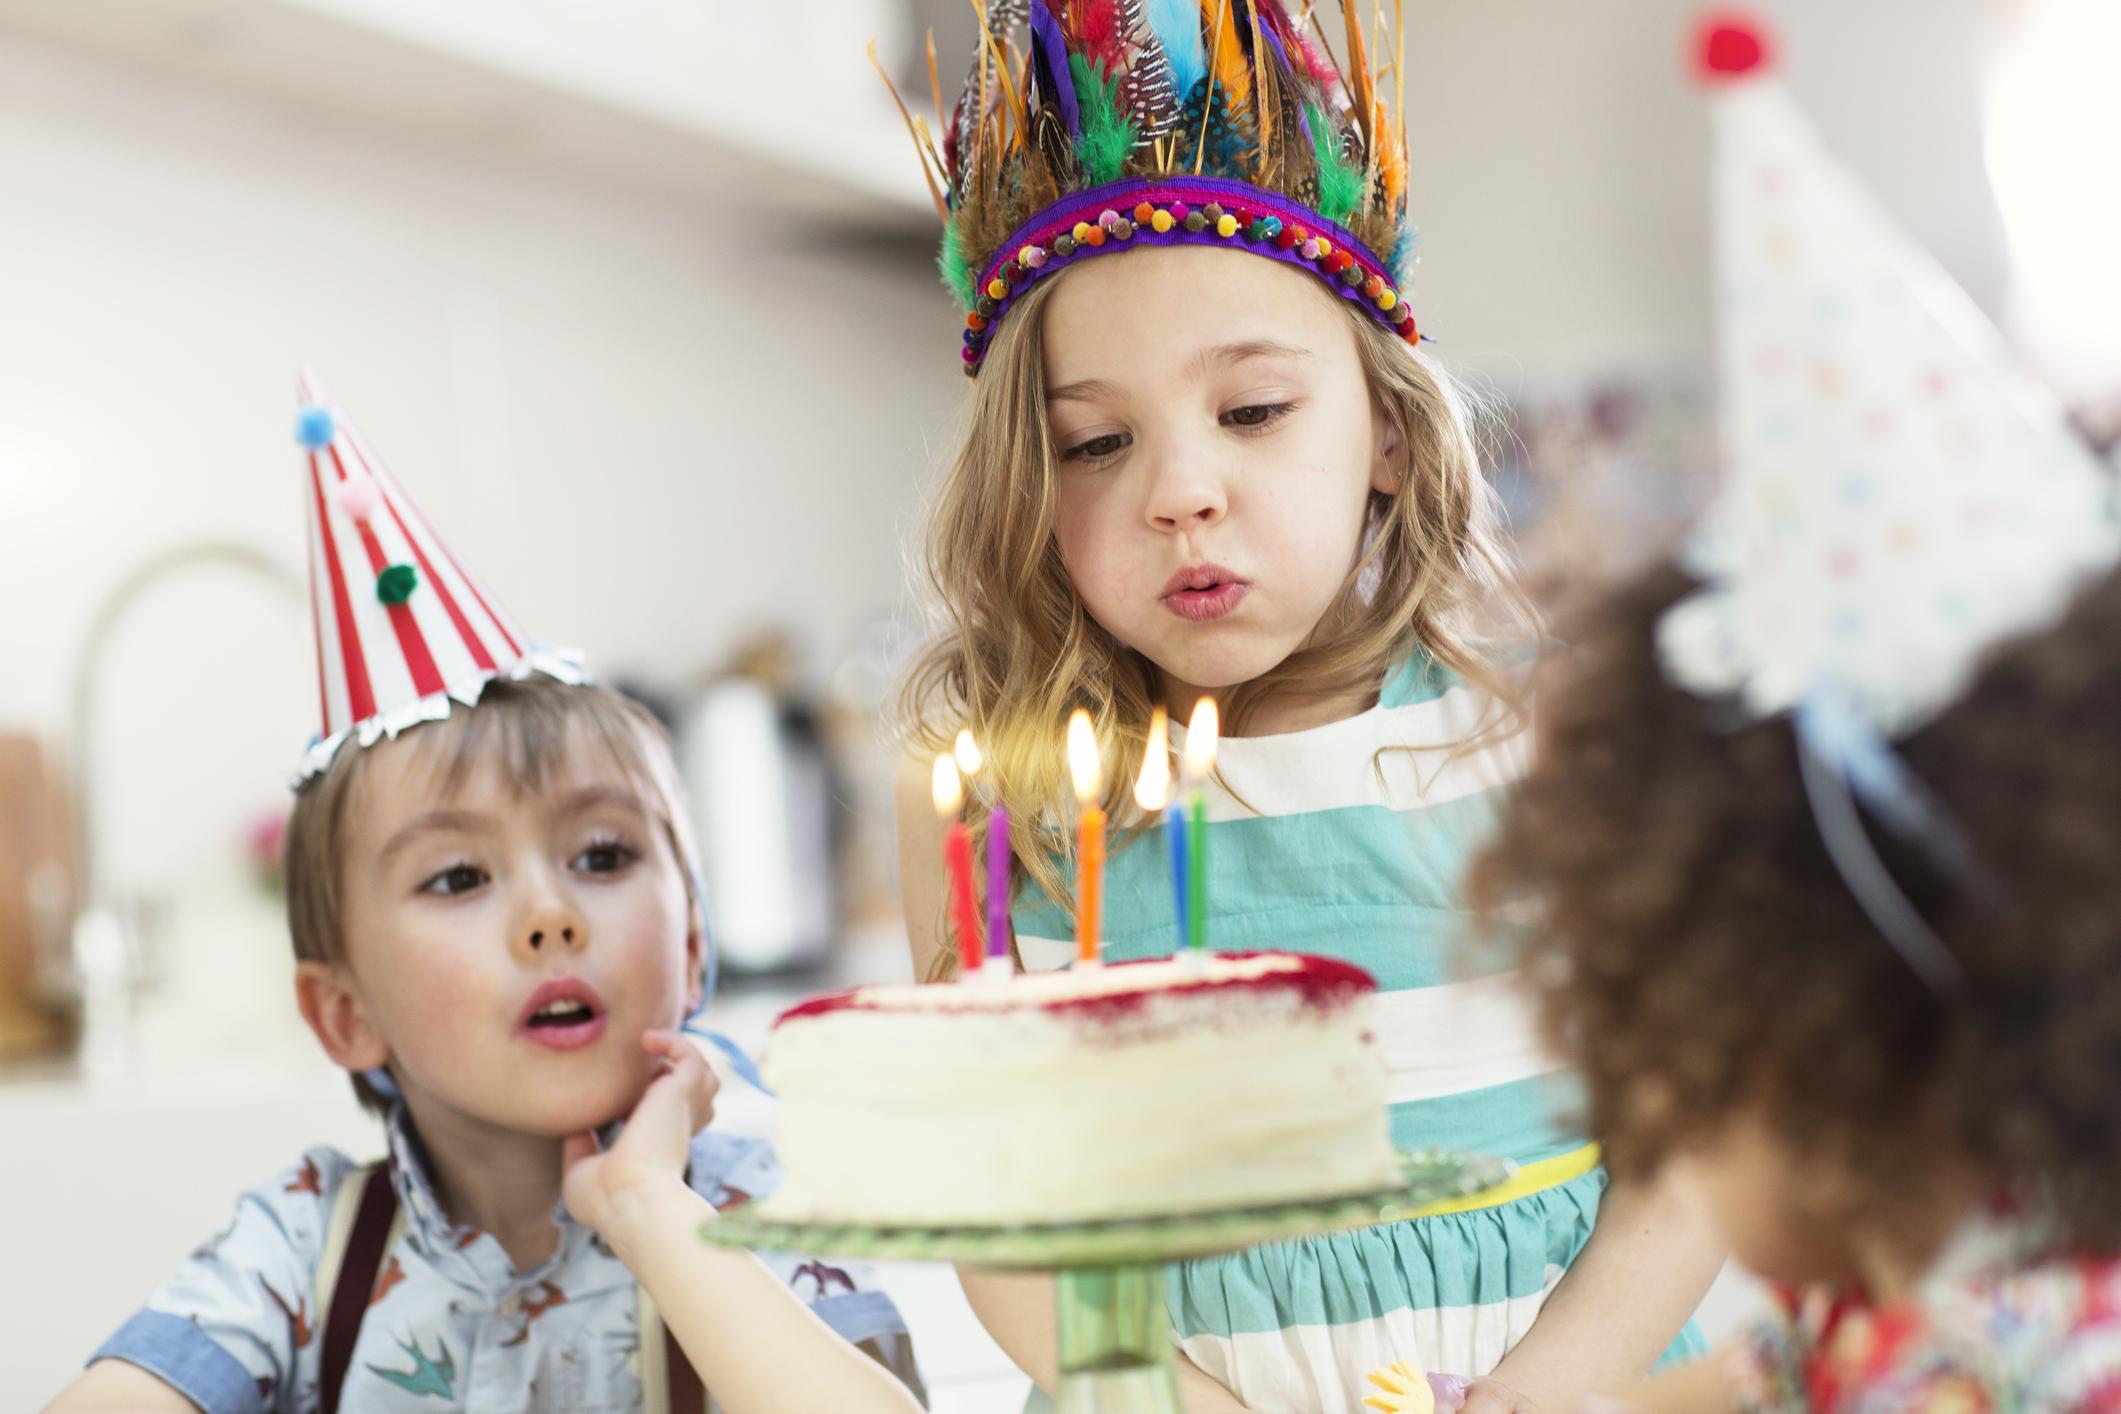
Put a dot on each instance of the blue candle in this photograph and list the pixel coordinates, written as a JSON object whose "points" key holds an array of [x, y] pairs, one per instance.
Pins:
{"points": [[1175, 836]]}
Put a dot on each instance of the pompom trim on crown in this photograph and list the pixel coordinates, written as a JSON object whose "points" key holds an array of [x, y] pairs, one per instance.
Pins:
{"points": [[1089, 126], [1211, 211]]}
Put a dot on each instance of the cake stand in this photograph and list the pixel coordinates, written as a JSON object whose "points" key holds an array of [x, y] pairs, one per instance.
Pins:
{"points": [[1114, 1335]]}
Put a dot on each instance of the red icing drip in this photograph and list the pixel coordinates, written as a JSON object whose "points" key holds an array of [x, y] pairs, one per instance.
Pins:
{"points": [[1321, 983]]}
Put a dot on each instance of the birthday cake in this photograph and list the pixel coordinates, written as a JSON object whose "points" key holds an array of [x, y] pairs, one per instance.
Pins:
{"points": [[1151, 1088]]}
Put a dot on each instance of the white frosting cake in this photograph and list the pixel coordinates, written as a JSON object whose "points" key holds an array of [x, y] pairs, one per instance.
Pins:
{"points": [[1148, 1088]]}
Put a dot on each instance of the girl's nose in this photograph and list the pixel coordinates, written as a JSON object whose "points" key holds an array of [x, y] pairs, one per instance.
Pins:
{"points": [[1184, 498]]}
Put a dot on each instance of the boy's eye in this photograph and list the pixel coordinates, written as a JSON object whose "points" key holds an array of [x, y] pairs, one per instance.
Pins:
{"points": [[1255, 414], [604, 857], [1097, 448], [456, 879]]}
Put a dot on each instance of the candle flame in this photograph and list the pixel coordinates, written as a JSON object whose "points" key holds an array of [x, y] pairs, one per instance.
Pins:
{"points": [[1152, 788], [969, 759], [1082, 757], [944, 786], [1201, 734]]}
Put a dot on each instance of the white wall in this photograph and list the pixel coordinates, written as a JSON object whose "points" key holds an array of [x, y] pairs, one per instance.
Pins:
{"points": [[647, 427], [1560, 163]]}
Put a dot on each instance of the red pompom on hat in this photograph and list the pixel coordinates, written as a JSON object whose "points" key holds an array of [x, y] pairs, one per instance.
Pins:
{"points": [[1730, 45]]}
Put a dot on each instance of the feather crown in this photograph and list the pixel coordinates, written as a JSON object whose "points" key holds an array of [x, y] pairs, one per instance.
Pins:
{"points": [[1087, 126]]}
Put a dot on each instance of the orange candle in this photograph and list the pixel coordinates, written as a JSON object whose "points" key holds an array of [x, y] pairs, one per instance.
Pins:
{"points": [[949, 795], [1089, 839]]}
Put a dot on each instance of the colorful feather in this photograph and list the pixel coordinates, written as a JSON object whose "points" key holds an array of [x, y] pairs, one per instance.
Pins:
{"points": [[1147, 94], [1107, 139], [1258, 52], [1226, 54], [1221, 137], [1099, 33], [1361, 87], [1391, 166], [1297, 52], [1049, 61], [1340, 182], [956, 269], [1402, 262], [996, 19], [1176, 24], [942, 206]]}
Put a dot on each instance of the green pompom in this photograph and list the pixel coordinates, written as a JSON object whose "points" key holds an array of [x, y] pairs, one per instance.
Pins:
{"points": [[396, 584], [957, 271], [1340, 185], [1107, 139]]}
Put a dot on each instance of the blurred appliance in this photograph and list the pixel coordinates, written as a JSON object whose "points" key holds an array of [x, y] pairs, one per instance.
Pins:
{"points": [[755, 766]]}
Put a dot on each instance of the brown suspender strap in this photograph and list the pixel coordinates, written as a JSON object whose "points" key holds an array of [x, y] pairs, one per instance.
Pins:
{"points": [[363, 1263], [687, 1394], [357, 1280]]}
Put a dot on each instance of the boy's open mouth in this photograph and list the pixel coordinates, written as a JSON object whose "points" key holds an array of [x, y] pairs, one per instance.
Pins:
{"points": [[563, 1014]]}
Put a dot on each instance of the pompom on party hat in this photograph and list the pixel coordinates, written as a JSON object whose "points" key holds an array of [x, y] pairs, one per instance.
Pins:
{"points": [[1087, 127], [405, 634]]}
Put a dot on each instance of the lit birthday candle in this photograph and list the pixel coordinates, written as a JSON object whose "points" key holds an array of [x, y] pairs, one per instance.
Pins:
{"points": [[970, 761], [949, 794], [1089, 837], [1199, 764], [1153, 793]]}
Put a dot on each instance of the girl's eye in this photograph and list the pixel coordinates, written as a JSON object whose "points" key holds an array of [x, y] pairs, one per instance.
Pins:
{"points": [[1256, 414], [604, 857], [456, 879], [1097, 449]]}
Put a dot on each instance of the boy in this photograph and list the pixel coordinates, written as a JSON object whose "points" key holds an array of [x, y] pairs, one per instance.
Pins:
{"points": [[497, 933]]}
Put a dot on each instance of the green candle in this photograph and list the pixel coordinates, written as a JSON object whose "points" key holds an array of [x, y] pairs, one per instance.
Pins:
{"points": [[1201, 733]]}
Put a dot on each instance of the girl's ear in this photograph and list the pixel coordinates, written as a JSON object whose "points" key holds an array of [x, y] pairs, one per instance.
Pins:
{"points": [[1388, 468], [331, 1003]]}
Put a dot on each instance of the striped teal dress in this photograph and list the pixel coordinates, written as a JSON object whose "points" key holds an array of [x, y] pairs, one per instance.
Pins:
{"points": [[1349, 840]]}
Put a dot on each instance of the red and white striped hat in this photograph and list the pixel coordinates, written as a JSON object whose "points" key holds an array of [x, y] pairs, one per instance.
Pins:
{"points": [[403, 630]]}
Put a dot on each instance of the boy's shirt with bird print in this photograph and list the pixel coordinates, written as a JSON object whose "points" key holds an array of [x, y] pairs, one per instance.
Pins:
{"points": [[450, 1325]]}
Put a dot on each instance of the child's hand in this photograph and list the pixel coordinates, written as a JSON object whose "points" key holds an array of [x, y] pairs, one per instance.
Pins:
{"points": [[600, 1184], [1402, 1389], [1491, 1396]]}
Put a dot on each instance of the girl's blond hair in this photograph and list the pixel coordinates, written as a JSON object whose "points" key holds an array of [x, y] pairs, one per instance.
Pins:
{"points": [[1018, 651]]}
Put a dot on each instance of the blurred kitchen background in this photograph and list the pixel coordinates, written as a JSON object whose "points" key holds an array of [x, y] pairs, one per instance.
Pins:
{"points": [[657, 338]]}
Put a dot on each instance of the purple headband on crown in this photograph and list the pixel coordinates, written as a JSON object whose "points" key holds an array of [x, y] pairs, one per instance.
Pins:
{"points": [[1181, 210]]}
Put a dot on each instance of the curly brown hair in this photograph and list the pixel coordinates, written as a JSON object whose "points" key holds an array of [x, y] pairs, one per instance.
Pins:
{"points": [[1699, 956]]}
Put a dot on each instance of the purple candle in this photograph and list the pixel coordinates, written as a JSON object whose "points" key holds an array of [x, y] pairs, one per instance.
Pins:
{"points": [[998, 886]]}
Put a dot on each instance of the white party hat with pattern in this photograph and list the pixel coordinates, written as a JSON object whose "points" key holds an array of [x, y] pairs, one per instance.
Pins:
{"points": [[404, 632], [1898, 496]]}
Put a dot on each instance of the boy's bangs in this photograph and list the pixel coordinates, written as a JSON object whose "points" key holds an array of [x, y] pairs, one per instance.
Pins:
{"points": [[527, 730]]}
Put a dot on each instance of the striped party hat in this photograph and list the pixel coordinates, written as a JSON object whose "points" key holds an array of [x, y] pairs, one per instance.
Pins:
{"points": [[403, 629]]}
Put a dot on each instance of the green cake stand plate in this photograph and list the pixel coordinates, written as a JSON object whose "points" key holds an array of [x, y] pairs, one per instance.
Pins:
{"points": [[1114, 1335]]}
